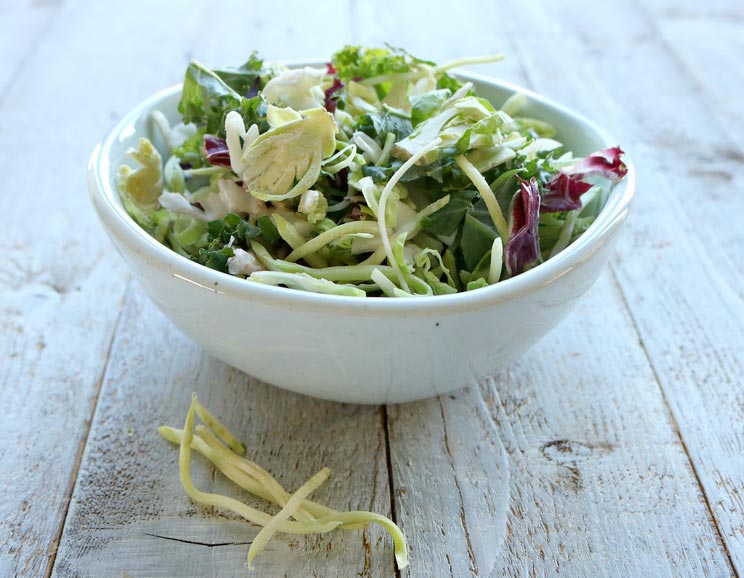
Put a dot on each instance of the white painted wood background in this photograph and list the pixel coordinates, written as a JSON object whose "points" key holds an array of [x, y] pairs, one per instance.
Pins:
{"points": [[614, 448]]}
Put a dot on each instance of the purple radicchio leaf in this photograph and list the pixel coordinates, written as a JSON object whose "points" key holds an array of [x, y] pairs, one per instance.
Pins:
{"points": [[331, 98], [255, 88], [216, 149], [522, 251], [606, 163], [563, 191]]}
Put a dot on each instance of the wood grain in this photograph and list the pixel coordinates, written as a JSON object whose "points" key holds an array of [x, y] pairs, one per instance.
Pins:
{"points": [[130, 515], [28, 24], [706, 38]]}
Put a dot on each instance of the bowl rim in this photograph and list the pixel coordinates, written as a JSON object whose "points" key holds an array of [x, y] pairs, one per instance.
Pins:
{"points": [[117, 220]]}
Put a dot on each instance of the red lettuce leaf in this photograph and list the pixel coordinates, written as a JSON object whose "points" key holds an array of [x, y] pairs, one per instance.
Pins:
{"points": [[563, 193], [255, 88], [522, 251], [331, 98], [216, 149], [606, 163]]}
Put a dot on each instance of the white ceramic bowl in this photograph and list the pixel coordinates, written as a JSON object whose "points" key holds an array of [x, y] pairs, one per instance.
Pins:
{"points": [[364, 350]]}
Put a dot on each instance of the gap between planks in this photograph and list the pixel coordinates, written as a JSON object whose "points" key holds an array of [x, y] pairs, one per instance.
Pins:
{"points": [[52, 552], [673, 420], [389, 466], [463, 520]]}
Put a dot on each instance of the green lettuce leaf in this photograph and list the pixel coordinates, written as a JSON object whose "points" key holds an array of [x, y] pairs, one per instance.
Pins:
{"points": [[378, 125], [424, 106], [356, 62], [139, 189]]}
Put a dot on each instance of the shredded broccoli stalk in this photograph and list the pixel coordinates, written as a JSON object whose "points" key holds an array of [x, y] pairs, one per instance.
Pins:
{"points": [[289, 510], [497, 261], [410, 229], [566, 232], [317, 243], [399, 539], [225, 463], [386, 148], [487, 195], [219, 429], [381, 220], [251, 514], [340, 160], [347, 274], [267, 481], [468, 61], [306, 283], [312, 517], [387, 286], [295, 240]]}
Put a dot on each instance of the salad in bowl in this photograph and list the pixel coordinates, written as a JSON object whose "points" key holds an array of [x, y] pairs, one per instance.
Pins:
{"points": [[378, 174], [273, 213]]}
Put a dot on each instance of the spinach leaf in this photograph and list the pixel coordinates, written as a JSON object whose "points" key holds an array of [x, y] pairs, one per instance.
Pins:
{"points": [[378, 125], [269, 232], [477, 239], [207, 97], [449, 218], [244, 79]]}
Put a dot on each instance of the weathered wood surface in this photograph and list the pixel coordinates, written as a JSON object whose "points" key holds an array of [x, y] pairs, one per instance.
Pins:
{"points": [[614, 448], [29, 20]]}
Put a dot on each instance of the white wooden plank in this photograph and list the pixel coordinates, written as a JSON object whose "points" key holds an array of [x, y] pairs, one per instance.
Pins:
{"points": [[685, 300], [61, 285], [564, 465], [300, 33], [24, 23], [706, 38], [128, 491], [709, 45]]}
